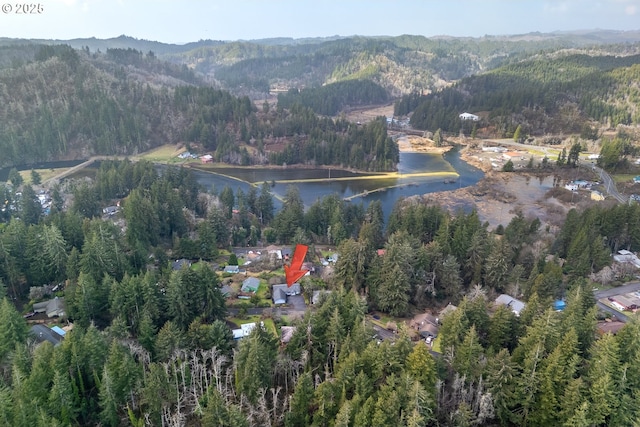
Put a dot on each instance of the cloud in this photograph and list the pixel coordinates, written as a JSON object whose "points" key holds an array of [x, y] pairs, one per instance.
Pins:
{"points": [[630, 10]]}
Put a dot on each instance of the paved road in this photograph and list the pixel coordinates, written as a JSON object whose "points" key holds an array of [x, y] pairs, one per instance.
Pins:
{"points": [[620, 316], [630, 287], [608, 182]]}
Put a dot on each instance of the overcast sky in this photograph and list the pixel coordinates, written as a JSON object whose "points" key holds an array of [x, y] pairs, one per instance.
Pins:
{"points": [[181, 21]]}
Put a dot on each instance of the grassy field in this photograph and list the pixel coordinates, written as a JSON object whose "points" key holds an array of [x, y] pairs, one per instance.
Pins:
{"points": [[45, 174], [623, 177], [165, 153]]}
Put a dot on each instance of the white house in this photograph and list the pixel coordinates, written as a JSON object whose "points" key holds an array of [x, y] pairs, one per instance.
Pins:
{"points": [[244, 331], [469, 116], [624, 255]]}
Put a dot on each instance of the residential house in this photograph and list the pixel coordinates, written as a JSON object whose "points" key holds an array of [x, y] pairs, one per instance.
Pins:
{"points": [[426, 325], [207, 158], [428, 330], [279, 293], [244, 330], [469, 116], [233, 269], [609, 327], [511, 155], [448, 309], [179, 263], [423, 319], [53, 307], [271, 249], [42, 333], [624, 255], [250, 285], [515, 305], [226, 291]]}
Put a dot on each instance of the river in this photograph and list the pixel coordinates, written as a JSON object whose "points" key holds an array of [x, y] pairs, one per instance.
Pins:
{"points": [[418, 173]]}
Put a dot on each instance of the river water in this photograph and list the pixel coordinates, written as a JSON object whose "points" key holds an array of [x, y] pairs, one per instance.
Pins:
{"points": [[419, 173]]}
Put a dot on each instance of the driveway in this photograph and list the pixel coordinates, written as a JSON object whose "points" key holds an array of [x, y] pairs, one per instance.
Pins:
{"points": [[296, 303]]}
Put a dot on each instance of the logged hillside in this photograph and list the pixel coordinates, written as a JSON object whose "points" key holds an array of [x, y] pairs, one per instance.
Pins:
{"points": [[544, 94], [401, 65]]}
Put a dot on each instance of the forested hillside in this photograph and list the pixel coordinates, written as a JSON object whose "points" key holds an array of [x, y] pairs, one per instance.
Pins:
{"points": [[61, 103], [401, 65], [329, 100], [545, 94]]}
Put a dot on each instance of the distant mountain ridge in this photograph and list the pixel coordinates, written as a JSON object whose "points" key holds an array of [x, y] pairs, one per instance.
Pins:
{"points": [[401, 64]]}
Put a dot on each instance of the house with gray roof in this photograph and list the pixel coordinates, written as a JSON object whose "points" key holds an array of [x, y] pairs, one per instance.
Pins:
{"points": [[226, 291], [42, 333], [250, 285], [279, 293], [515, 305], [53, 307], [232, 269]]}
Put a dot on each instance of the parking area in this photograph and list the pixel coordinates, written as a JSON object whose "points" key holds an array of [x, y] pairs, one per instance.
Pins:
{"points": [[296, 303]]}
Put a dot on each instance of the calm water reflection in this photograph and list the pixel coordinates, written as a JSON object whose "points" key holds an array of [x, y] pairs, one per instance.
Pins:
{"points": [[419, 173]]}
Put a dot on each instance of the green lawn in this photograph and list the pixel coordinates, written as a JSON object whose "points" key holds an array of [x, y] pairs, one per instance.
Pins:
{"points": [[166, 153], [268, 323]]}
